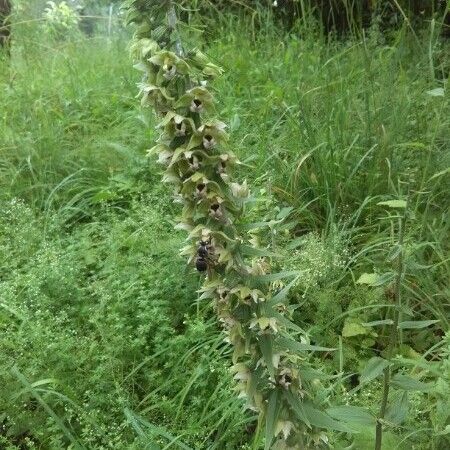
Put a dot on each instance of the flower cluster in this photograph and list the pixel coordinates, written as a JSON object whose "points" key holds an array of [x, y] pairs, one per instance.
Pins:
{"points": [[270, 367]]}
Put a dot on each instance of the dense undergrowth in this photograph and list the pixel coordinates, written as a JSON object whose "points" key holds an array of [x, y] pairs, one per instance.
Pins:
{"points": [[103, 341]]}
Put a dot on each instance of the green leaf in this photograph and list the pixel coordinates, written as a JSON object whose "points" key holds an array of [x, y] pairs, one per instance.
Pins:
{"points": [[297, 406], [436, 92], [353, 329], [373, 369], [408, 383], [307, 413], [277, 276], [34, 392], [273, 411], [322, 420], [145, 428], [439, 174], [445, 431], [397, 410], [265, 344], [296, 346], [252, 251], [374, 279], [352, 415], [377, 323], [368, 278], [416, 324], [284, 212], [393, 203], [271, 312], [36, 384], [280, 296]]}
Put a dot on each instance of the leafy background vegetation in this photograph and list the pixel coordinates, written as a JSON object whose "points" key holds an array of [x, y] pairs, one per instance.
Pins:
{"points": [[104, 343]]}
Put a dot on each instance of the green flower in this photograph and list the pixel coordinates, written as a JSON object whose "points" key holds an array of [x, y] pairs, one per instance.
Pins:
{"points": [[169, 64], [202, 62], [176, 125], [209, 135], [156, 96], [197, 99]]}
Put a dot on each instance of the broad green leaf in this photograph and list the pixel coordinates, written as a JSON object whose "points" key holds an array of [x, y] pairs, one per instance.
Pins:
{"points": [[296, 346], [397, 410], [280, 296], [271, 418], [377, 323], [393, 203], [432, 367], [445, 431], [353, 329], [353, 415], [265, 344], [308, 374], [436, 92], [272, 312], [252, 251], [374, 279], [284, 212], [310, 415], [277, 276], [408, 383], [368, 278], [323, 420], [373, 369], [416, 324], [297, 406]]}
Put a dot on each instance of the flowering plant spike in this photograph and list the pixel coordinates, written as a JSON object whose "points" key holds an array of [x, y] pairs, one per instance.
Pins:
{"points": [[270, 367]]}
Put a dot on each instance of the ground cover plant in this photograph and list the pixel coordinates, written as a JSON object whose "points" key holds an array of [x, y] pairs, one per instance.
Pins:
{"points": [[106, 342]]}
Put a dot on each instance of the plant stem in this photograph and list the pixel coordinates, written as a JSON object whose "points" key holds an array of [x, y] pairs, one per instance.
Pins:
{"points": [[393, 338]]}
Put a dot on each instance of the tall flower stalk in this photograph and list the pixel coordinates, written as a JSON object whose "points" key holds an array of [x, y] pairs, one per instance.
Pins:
{"points": [[269, 365]]}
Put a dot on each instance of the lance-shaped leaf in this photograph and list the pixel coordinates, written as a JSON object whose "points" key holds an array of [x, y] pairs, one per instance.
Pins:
{"points": [[373, 369], [273, 410], [408, 383]]}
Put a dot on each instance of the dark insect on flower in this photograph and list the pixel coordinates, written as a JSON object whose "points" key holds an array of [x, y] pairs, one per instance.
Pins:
{"points": [[201, 264], [202, 256]]}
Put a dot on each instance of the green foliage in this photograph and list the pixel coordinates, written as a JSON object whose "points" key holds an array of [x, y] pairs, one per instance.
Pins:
{"points": [[104, 339], [61, 20]]}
